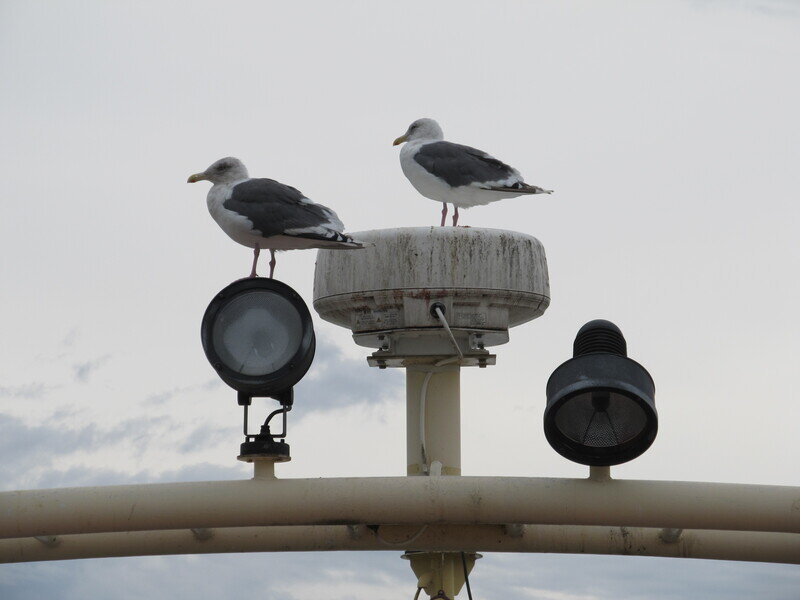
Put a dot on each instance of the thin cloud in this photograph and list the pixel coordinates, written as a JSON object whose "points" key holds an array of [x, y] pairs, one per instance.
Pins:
{"points": [[27, 391], [544, 594], [84, 370], [29, 451], [92, 476], [69, 340], [335, 381], [167, 395], [207, 435], [770, 8]]}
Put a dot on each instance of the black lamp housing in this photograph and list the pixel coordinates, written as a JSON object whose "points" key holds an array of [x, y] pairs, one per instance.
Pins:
{"points": [[600, 404], [258, 335]]}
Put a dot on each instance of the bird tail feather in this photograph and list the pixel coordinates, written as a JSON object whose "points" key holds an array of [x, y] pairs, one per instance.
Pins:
{"points": [[334, 240], [521, 188]]}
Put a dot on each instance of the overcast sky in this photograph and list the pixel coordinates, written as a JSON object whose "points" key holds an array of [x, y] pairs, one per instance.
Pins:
{"points": [[668, 130]]}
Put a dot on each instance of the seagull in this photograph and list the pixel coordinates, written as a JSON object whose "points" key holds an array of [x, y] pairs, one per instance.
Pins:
{"points": [[461, 175], [263, 213]]}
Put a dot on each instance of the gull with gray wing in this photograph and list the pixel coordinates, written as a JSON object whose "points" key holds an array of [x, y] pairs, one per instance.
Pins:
{"points": [[263, 213], [456, 174]]}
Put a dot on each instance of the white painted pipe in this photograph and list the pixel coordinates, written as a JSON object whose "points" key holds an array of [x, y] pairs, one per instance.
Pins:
{"points": [[400, 500], [720, 545]]}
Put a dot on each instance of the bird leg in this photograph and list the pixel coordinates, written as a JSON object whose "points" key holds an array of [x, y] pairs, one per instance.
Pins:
{"points": [[444, 213], [271, 262], [256, 252], [455, 215]]}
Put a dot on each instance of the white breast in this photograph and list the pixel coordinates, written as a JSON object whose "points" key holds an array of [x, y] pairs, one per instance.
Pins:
{"points": [[238, 227], [425, 183]]}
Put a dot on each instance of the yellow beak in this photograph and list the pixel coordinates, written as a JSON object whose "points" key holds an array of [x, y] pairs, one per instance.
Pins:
{"points": [[400, 140], [196, 177]]}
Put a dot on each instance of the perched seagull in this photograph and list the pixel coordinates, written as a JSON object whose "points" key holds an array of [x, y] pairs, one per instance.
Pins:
{"points": [[461, 175], [263, 213]]}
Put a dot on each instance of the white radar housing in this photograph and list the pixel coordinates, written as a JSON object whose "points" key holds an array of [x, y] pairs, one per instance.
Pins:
{"points": [[487, 280]]}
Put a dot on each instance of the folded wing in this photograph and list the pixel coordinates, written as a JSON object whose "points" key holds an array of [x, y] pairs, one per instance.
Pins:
{"points": [[459, 165], [278, 209]]}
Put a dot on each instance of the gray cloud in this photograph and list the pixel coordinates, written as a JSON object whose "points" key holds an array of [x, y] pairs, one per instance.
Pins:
{"points": [[69, 339], [213, 576], [29, 451], [370, 575], [167, 395], [84, 370], [62, 349], [206, 472], [209, 435], [84, 476], [543, 577], [335, 381], [26, 391]]}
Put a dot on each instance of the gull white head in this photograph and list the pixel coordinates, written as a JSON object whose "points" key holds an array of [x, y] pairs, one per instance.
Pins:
{"points": [[421, 129], [225, 170]]}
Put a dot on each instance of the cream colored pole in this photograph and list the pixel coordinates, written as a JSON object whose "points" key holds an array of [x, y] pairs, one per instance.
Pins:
{"points": [[433, 446], [705, 544], [436, 390], [400, 500]]}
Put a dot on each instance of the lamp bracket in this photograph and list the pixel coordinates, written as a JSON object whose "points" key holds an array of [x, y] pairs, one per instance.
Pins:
{"points": [[285, 397], [265, 443]]}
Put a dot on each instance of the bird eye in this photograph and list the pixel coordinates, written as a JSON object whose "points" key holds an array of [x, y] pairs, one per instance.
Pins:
{"points": [[223, 166]]}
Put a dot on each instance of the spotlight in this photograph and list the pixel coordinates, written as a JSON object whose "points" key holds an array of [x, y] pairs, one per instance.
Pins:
{"points": [[258, 335], [600, 404]]}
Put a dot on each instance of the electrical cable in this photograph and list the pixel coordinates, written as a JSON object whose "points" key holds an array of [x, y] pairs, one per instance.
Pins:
{"points": [[423, 393], [466, 575], [410, 540], [416, 596], [422, 398], [440, 314]]}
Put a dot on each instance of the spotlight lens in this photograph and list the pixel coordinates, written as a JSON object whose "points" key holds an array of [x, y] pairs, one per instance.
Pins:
{"points": [[257, 333], [600, 419]]}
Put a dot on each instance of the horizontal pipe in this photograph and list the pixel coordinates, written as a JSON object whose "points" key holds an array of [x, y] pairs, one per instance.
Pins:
{"points": [[719, 545], [400, 500]]}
